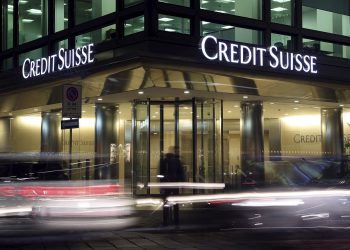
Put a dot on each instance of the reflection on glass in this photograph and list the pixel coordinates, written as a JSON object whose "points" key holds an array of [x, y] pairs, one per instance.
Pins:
{"points": [[244, 8], [134, 25], [32, 21], [96, 36], [185, 3], [232, 33], [128, 3], [281, 41], [7, 63], [33, 55], [326, 48], [7, 41], [281, 11], [61, 15], [86, 10], [174, 24], [332, 17], [62, 44]]}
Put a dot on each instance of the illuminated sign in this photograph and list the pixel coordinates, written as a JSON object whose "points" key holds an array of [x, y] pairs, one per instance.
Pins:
{"points": [[215, 50], [64, 59]]}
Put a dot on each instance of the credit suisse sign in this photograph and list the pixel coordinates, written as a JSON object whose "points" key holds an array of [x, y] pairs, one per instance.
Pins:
{"points": [[64, 59], [232, 53]]}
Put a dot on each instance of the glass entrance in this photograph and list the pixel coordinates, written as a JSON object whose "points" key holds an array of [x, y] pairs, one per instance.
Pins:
{"points": [[193, 126]]}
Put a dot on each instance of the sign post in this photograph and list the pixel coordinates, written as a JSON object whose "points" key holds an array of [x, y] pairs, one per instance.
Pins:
{"points": [[71, 108]]}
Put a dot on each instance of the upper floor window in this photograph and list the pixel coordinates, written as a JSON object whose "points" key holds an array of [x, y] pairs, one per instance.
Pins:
{"points": [[61, 15], [32, 23], [185, 3], [86, 10], [327, 16], [244, 8], [281, 11], [7, 42]]}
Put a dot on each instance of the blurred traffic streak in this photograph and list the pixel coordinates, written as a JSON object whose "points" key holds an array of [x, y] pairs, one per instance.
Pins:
{"points": [[69, 205]]}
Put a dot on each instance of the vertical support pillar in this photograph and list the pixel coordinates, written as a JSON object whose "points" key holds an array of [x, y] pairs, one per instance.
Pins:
{"points": [[332, 136], [105, 136], [50, 132], [252, 142]]}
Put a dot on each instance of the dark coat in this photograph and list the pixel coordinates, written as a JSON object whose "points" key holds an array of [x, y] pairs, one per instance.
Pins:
{"points": [[171, 168]]}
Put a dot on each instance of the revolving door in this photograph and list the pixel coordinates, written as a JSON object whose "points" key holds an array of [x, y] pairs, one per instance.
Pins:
{"points": [[193, 126]]}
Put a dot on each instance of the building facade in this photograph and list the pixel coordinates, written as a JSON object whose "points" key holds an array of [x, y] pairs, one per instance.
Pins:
{"points": [[250, 91]]}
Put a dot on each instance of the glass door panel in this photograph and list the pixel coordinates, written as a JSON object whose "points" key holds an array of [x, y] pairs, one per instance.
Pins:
{"points": [[141, 147]]}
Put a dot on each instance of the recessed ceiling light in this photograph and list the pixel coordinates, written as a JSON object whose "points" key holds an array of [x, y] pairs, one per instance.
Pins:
{"points": [[279, 9], [99, 99], [186, 92], [296, 108], [25, 20], [205, 22], [166, 19], [341, 105], [227, 27], [245, 97], [83, 111], [285, 114], [23, 1], [281, 1], [296, 101], [236, 106], [169, 30], [35, 11], [140, 92], [272, 103], [229, 111]]}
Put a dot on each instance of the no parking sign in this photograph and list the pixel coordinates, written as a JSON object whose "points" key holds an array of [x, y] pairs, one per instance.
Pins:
{"points": [[71, 103]]}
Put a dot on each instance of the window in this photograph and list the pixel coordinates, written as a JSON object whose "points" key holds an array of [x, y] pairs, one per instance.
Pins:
{"points": [[33, 55], [281, 11], [86, 10], [96, 36], [231, 33], [185, 3], [7, 42], [281, 41], [128, 3], [134, 25], [61, 15], [327, 16], [326, 48], [32, 20], [7, 63], [174, 24], [244, 8]]}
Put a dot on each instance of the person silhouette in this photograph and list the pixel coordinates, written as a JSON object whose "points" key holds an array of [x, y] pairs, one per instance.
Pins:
{"points": [[171, 170]]}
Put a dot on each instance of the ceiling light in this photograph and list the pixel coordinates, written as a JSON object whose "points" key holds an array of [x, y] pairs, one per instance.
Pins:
{"points": [[296, 108], [221, 11], [140, 92], [341, 105], [23, 1], [281, 1], [169, 30], [99, 99], [227, 27], [296, 101], [279, 9], [229, 111], [89, 10], [204, 2], [245, 97], [236, 106], [65, 19], [205, 22], [127, 25], [24, 20], [272, 103], [166, 19], [35, 12], [186, 92]]}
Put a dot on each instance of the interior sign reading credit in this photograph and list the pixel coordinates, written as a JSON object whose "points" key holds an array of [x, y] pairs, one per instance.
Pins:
{"points": [[64, 59], [215, 50]]}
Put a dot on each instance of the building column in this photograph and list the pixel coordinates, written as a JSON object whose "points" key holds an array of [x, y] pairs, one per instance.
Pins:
{"points": [[332, 135], [5, 135], [105, 139], [50, 132], [252, 142]]}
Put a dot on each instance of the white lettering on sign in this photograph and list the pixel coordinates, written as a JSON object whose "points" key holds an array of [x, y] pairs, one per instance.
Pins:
{"points": [[64, 59], [215, 50]]}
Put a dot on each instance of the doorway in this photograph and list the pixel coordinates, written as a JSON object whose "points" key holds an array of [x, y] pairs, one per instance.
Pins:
{"points": [[194, 126]]}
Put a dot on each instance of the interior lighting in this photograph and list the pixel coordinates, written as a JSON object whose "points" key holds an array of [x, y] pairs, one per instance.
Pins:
{"points": [[303, 120], [23, 1], [279, 9], [166, 19], [35, 12], [169, 30], [99, 99], [281, 1], [186, 92], [245, 97], [24, 20], [341, 105], [296, 101], [228, 27], [140, 92]]}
